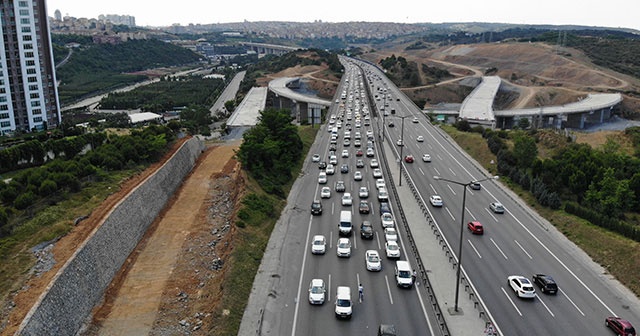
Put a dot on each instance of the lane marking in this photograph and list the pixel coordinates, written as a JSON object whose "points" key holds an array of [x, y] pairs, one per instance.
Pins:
{"points": [[512, 303], [497, 247], [450, 214], [474, 248], [523, 250], [386, 280], [568, 298], [545, 305]]}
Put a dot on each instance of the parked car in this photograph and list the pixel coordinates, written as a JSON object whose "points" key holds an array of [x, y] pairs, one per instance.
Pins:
{"points": [[546, 283], [436, 200], [366, 230], [316, 208], [521, 286], [317, 291], [496, 207], [475, 227], [619, 326], [363, 208]]}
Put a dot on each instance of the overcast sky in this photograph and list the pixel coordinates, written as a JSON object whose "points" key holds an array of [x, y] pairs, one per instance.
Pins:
{"points": [[611, 13]]}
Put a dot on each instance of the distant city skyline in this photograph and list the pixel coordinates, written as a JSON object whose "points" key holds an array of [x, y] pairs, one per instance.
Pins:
{"points": [[613, 13]]}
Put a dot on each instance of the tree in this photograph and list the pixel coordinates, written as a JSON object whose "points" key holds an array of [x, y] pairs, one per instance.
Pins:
{"points": [[525, 150], [523, 123]]}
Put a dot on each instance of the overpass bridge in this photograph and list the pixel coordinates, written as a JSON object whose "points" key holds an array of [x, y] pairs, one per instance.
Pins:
{"points": [[477, 108], [269, 49]]}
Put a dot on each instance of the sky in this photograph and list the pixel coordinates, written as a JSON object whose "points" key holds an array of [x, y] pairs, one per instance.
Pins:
{"points": [[611, 13]]}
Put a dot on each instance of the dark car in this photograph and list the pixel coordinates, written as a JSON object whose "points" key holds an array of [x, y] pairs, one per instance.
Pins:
{"points": [[408, 159], [476, 227], [364, 207], [475, 186], [391, 124], [316, 208], [387, 330], [359, 153], [333, 147], [340, 186], [366, 230], [322, 164], [344, 168], [620, 326], [384, 207], [546, 283]]}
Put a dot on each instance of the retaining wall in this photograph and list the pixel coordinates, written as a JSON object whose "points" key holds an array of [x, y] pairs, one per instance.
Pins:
{"points": [[80, 284]]}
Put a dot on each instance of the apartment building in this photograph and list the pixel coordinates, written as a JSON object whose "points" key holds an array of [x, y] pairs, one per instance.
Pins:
{"points": [[28, 92]]}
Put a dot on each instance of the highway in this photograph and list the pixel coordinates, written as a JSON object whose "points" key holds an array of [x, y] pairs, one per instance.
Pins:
{"points": [[514, 243]]}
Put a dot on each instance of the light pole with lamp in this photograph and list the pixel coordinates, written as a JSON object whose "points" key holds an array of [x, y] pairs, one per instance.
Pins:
{"points": [[464, 199], [401, 147]]}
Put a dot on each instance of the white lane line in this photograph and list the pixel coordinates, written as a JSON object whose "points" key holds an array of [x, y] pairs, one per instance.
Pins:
{"points": [[297, 299], [545, 305], [470, 214], [452, 172], [512, 303], [496, 245], [429, 144], [331, 239], [437, 172], [451, 189], [433, 189], [355, 241], [421, 171], [329, 286], [574, 305], [450, 214], [491, 214], [474, 248], [440, 157], [386, 279], [523, 250], [378, 240], [333, 208]]}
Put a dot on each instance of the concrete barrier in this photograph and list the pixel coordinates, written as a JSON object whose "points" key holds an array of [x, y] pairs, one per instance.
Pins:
{"points": [[80, 284]]}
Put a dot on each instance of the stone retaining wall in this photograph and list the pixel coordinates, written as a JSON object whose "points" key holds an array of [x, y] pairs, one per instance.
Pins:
{"points": [[81, 282]]}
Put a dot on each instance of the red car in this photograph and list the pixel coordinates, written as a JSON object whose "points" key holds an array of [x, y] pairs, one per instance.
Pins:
{"points": [[359, 153], [408, 159], [619, 326], [475, 227]]}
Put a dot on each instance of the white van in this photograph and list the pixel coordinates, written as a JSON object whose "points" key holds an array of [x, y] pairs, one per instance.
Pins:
{"points": [[404, 274], [344, 306], [345, 227]]}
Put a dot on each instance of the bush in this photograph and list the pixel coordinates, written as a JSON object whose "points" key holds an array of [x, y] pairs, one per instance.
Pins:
{"points": [[24, 200]]}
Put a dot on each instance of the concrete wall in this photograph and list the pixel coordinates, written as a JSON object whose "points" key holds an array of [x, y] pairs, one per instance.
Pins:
{"points": [[81, 282]]}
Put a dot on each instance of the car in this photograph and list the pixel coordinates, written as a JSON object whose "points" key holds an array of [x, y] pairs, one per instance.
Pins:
{"points": [[344, 305], [325, 192], [366, 230], [359, 163], [374, 163], [380, 183], [408, 159], [383, 195], [426, 158], [372, 260], [346, 142], [369, 134], [357, 176], [399, 142], [620, 326], [333, 147], [345, 153], [363, 192], [322, 164], [363, 208], [546, 283], [343, 248], [475, 186], [521, 286], [496, 207], [391, 124], [359, 153], [322, 178], [377, 173], [387, 220], [390, 234], [370, 152], [333, 160], [385, 207], [331, 169], [317, 291], [316, 208], [315, 158], [392, 249], [436, 200], [414, 120], [420, 138], [357, 143], [340, 186], [475, 227], [344, 169], [346, 199], [318, 244]]}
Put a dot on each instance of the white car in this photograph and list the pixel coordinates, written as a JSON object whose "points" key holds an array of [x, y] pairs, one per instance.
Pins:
{"points": [[357, 175], [325, 192], [377, 173], [343, 248], [318, 245], [374, 163], [372, 260], [390, 234], [369, 133], [436, 200], [399, 142], [322, 178], [315, 158], [521, 286], [345, 153], [426, 158], [380, 183], [317, 291], [414, 120], [363, 192], [330, 170], [496, 207], [370, 152], [387, 220], [333, 160], [420, 138], [346, 199], [392, 249], [383, 195]]}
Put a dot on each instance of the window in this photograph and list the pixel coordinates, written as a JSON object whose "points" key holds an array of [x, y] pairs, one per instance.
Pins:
{"points": [[3, 99], [28, 46], [26, 29], [23, 4], [25, 21], [33, 95], [37, 119], [28, 54], [32, 79], [4, 124], [33, 87], [31, 71], [4, 115], [26, 38], [31, 63], [4, 107], [37, 111], [35, 103], [24, 12]]}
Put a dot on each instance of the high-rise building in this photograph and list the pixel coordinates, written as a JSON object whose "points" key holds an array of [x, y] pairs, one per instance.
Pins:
{"points": [[28, 91], [57, 15]]}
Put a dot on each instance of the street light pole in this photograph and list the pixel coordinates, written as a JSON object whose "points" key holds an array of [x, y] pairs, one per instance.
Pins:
{"points": [[401, 148], [464, 200]]}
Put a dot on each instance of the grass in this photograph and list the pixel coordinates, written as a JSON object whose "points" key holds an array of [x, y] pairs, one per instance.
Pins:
{"points": [[618, 255]]}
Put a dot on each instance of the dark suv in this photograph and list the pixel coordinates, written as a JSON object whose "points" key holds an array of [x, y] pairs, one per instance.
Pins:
{"points": [[546, 283], [316, 208], [366, 230]]}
